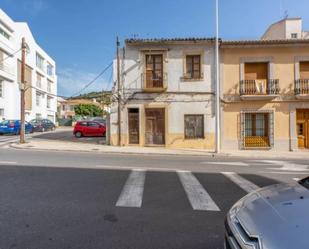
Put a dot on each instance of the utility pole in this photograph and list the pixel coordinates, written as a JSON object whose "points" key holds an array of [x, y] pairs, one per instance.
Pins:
{"points": [[118, 91], [218, 137], [22, 91]]}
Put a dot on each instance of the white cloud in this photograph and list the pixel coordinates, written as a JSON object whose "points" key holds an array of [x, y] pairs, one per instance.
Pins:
{"points": [[70, 81]]}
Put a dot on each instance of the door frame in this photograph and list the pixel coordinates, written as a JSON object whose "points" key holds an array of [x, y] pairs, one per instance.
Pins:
{"points": [[305, 123], [139, 125], [164, 122]]}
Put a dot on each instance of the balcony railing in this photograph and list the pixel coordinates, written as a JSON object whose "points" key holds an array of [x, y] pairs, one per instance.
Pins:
{"points": [[154, 82], [8, 69], [301, 86], [259, 87]]}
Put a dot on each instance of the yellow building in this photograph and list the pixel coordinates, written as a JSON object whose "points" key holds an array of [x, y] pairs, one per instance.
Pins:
{"points": [[265, 94]]}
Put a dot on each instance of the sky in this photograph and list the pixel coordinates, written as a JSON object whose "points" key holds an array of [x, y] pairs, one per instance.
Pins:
{"points": [[80, 34]]}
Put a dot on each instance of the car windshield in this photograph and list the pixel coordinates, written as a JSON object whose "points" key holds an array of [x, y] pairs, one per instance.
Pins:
{"points": [[5, 122], [304, 182]]}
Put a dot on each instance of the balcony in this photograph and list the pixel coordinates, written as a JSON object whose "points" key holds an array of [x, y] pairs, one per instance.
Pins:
{"points": [[301, 88], [154, 82], [7, 71], [259, 89]]}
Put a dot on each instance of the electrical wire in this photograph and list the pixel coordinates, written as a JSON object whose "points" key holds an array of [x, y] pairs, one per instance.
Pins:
{"points": [[92, 81], [10, 55]]}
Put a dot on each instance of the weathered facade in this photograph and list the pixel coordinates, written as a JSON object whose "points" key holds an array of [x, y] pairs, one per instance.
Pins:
{"points": [[265, 93], [167, 94]]}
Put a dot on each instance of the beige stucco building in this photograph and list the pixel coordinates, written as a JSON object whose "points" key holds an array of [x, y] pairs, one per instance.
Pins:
{"points": [[167, 94], [265, 94]]}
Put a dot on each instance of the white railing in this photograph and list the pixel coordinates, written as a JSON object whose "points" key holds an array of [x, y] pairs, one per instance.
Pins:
{"points": [[6, 68]]}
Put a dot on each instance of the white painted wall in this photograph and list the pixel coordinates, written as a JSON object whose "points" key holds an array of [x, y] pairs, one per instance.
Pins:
{"points": [[181, 97], [11, 99]]}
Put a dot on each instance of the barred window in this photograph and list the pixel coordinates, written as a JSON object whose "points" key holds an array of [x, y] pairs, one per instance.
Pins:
{"points": [[256, 130], [194, 126]]}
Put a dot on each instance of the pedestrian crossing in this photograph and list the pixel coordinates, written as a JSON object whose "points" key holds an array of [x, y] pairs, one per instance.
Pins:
{"points": [[132, 192], [200, 199]]}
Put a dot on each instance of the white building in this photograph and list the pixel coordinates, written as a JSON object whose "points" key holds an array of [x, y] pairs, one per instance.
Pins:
{"points": [[167, 93], [287, 28], [41, 80]]}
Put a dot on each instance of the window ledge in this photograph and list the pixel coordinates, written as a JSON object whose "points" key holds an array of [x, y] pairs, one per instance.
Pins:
{"points": [[194, 138], [186, 79]]}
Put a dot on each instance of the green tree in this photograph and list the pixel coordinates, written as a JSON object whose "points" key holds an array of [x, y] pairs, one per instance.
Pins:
{"points": [[88, 110]]}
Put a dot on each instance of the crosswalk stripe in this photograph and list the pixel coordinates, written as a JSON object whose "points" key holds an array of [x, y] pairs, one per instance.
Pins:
{"points": [[197, 195], [132, 192], [241, 182]]}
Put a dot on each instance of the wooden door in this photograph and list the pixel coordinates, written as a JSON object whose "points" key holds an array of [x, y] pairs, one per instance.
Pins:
{"points": [[155, 126], [133, 117], [303, 128]]}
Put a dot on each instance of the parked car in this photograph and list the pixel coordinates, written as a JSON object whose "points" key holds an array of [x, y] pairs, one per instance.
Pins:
{"points": [[13, 127], [89, 128], [42, 125], [274, 217], [100, 120]]}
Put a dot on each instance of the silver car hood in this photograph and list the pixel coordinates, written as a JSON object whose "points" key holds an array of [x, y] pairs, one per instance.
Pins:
{"points": [[278, 215]]}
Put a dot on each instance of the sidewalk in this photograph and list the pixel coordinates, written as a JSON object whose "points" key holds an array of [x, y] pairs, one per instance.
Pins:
{"points": [[40, 144]]}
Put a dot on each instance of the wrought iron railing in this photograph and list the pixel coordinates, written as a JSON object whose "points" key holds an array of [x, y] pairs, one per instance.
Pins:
{"points": [[154, 81], [256, 87], [301, 86]]}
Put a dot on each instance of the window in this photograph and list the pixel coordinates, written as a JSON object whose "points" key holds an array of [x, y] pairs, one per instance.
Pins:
{"points": [[71, 107], [294, 35], [48, 86], [257, 130], [48, 102], [194, 126], [38, 99], [39, 61], [93, 124], [154, 71], [193, 66], [83, 123], [38, 116], [1, 89], [4, 33], [50, 69], [38, 80], [1, 112]]}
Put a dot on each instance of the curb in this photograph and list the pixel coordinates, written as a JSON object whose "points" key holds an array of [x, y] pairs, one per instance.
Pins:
{"points": [[14, 146]]}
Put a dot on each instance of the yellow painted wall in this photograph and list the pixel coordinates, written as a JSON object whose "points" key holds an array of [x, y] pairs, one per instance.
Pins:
{"points": [[283, 60]]}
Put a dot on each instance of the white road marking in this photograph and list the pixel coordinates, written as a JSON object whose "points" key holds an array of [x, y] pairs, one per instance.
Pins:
{"points": [[132, 192], [286, 166], [241, 182], [7, 162], [283, 172], [228, 163], [197, 195], [117, 167], [296, 179]]}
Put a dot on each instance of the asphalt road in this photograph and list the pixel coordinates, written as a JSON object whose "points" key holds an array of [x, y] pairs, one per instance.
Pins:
{"points": [[66, 134], [90, 200]]}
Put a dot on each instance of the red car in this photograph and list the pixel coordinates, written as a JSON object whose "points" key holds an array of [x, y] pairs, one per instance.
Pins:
{"points": [[89, 129]]}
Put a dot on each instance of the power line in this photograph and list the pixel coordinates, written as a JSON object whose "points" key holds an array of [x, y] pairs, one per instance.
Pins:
{"points": [[10, 55], [92, 81]]}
